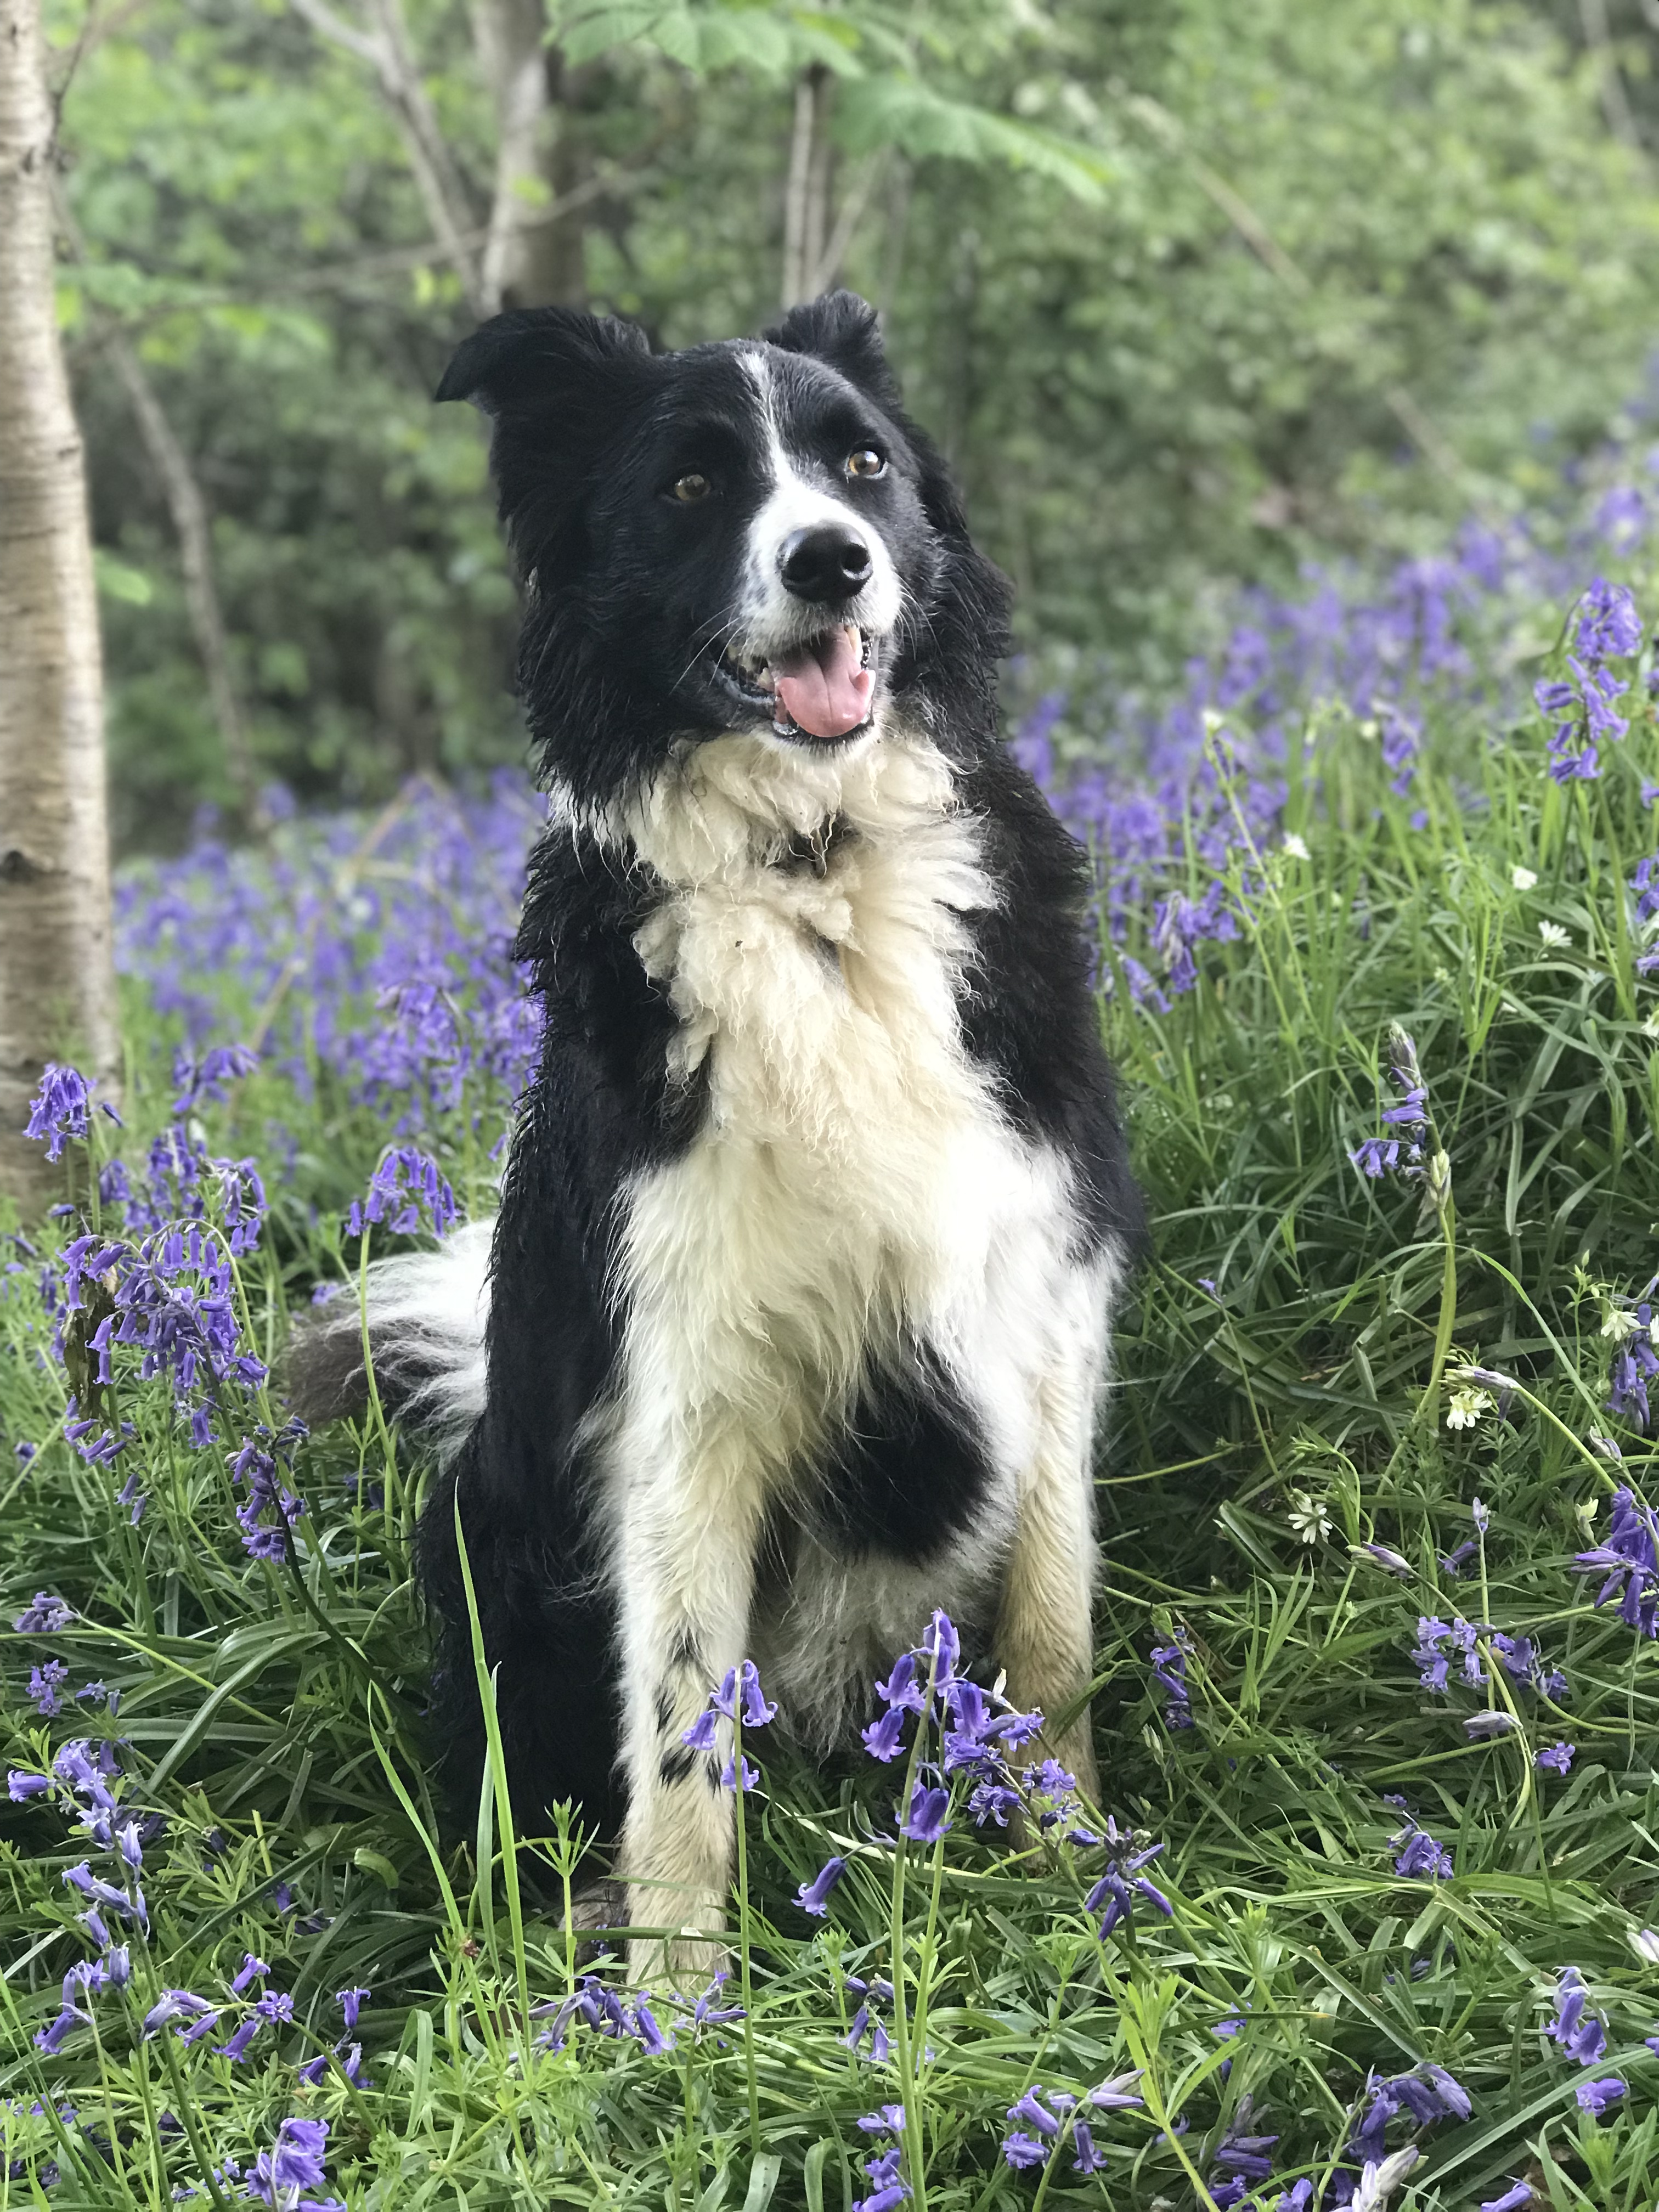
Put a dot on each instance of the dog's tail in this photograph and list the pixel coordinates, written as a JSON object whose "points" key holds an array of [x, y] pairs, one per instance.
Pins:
{"points": [[426, 1313]]}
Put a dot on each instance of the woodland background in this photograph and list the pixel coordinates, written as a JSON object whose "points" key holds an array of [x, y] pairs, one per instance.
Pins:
{"points": [[1191, 293]]}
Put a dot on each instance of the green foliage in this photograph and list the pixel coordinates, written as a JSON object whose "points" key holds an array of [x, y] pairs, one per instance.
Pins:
{"points": [[1158, 279], [1267, 1432]]}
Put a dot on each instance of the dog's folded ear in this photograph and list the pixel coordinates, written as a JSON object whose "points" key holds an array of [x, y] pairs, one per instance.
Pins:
{"points": [[538, 360], [841, 329], [557, 383]]}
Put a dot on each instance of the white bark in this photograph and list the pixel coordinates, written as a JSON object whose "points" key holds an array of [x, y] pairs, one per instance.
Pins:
{"points": [[534, 252], [57, 969]]}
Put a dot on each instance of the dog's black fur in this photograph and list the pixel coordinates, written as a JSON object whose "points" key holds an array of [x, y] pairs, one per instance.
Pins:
{"points": [[627, 592]]}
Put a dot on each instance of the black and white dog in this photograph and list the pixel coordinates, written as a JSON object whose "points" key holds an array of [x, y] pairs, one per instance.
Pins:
{"points": [[794, 1318]]}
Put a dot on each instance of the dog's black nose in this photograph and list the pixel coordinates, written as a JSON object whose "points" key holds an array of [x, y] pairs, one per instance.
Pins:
{"points": [[828, 563]]}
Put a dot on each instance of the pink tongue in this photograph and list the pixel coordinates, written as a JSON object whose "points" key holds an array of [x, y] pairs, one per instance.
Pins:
{"points": [[822, 687]]}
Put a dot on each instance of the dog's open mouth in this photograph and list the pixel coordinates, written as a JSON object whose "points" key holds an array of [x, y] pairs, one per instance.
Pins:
{"points": [[819, 690]]}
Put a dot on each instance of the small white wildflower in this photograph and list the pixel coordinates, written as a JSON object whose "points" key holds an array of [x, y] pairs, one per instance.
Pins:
{"points": [[1645, 1944], [1214, 722], [1650, 1027], [1587, 1509], [1618, 1324], [1467, 1406], [1309, 1522], [1523, 879], [1552, 936], [1295, 848]]}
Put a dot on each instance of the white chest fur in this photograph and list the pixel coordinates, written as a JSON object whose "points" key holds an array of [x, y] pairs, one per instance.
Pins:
{"points": [[854, 1191]]}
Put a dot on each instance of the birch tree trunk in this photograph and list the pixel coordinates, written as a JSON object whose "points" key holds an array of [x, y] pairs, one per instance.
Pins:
{"points": [[57, 970]]}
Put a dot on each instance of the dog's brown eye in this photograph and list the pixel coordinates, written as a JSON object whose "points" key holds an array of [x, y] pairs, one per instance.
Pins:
{"points": [[692, 487], [865, 461]]}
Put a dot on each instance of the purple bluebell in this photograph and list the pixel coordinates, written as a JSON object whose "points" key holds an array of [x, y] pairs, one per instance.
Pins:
{"points": [[1629, 1559], [1022, 2151], [58, 1108], [21, 1785], [351, 2002], [1422, 1859], [927, 1818], [1556, 1759], [1030, 2113], [1086, 2158], [651, 2039], [46, 1687], [884, 1739], [252, 1969], [44, 1616], [1518, 2193], [1595, 2097], [1170, 1672], [814, 1896]]}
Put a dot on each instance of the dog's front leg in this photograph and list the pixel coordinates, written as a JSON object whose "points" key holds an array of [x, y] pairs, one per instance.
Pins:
{"points": [[688, 1571], [1045, 1628]]}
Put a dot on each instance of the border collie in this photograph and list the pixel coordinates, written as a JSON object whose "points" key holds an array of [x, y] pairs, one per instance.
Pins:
{"points": [[793, 1320]]}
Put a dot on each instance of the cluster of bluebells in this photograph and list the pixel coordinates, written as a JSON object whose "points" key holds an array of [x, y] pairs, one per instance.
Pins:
{"points": [[285, 2176], [1048, 2123], [407, 1189], [740, 1698], [170, 1297], [1628, 1561], [383, 959], [1420, 1857], [84, 1782], [1406, 1121], [1581, 704], [1583, 2036], [1635, 1362]]}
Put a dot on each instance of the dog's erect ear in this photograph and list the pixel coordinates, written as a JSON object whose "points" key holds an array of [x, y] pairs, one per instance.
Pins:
{"points": [[841, 329], [538, 360]]}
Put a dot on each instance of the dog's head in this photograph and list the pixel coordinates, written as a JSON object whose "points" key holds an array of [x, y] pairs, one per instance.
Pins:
{"points": [[747, 535]]}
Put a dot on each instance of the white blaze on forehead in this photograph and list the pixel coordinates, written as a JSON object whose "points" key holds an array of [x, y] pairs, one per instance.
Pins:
{"points": [[801, 498]]}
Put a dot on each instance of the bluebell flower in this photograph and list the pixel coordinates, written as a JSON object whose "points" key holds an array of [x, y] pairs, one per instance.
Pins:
{"points": [[902, 1689], [1170, 1672], [1519, 2193], [1481, 1726], [926, 1822], [44, 1616], [350, 2003], [1453, 1562], [58, 1108], [1086, 2158], [1022, 2151], [251, 1969], [941, 1644], [814, 1896], [1422, 1859], [651, 2038], [730, 1779], [283, 2175], [884, 1739], [1556, 1759], [45, 1685], [889, 2121], [1031, 2113], [1630, 1560], [1124, 1880], [1595, 2097]]}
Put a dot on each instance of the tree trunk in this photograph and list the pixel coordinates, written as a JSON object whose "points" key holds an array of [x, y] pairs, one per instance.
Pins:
{"points": [[534, 254], [57, 969]]}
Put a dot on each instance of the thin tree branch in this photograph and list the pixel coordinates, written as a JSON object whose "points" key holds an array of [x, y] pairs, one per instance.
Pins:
{"points": [[797, 190], [1615, 102], [386, 50], [851, 213]]}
